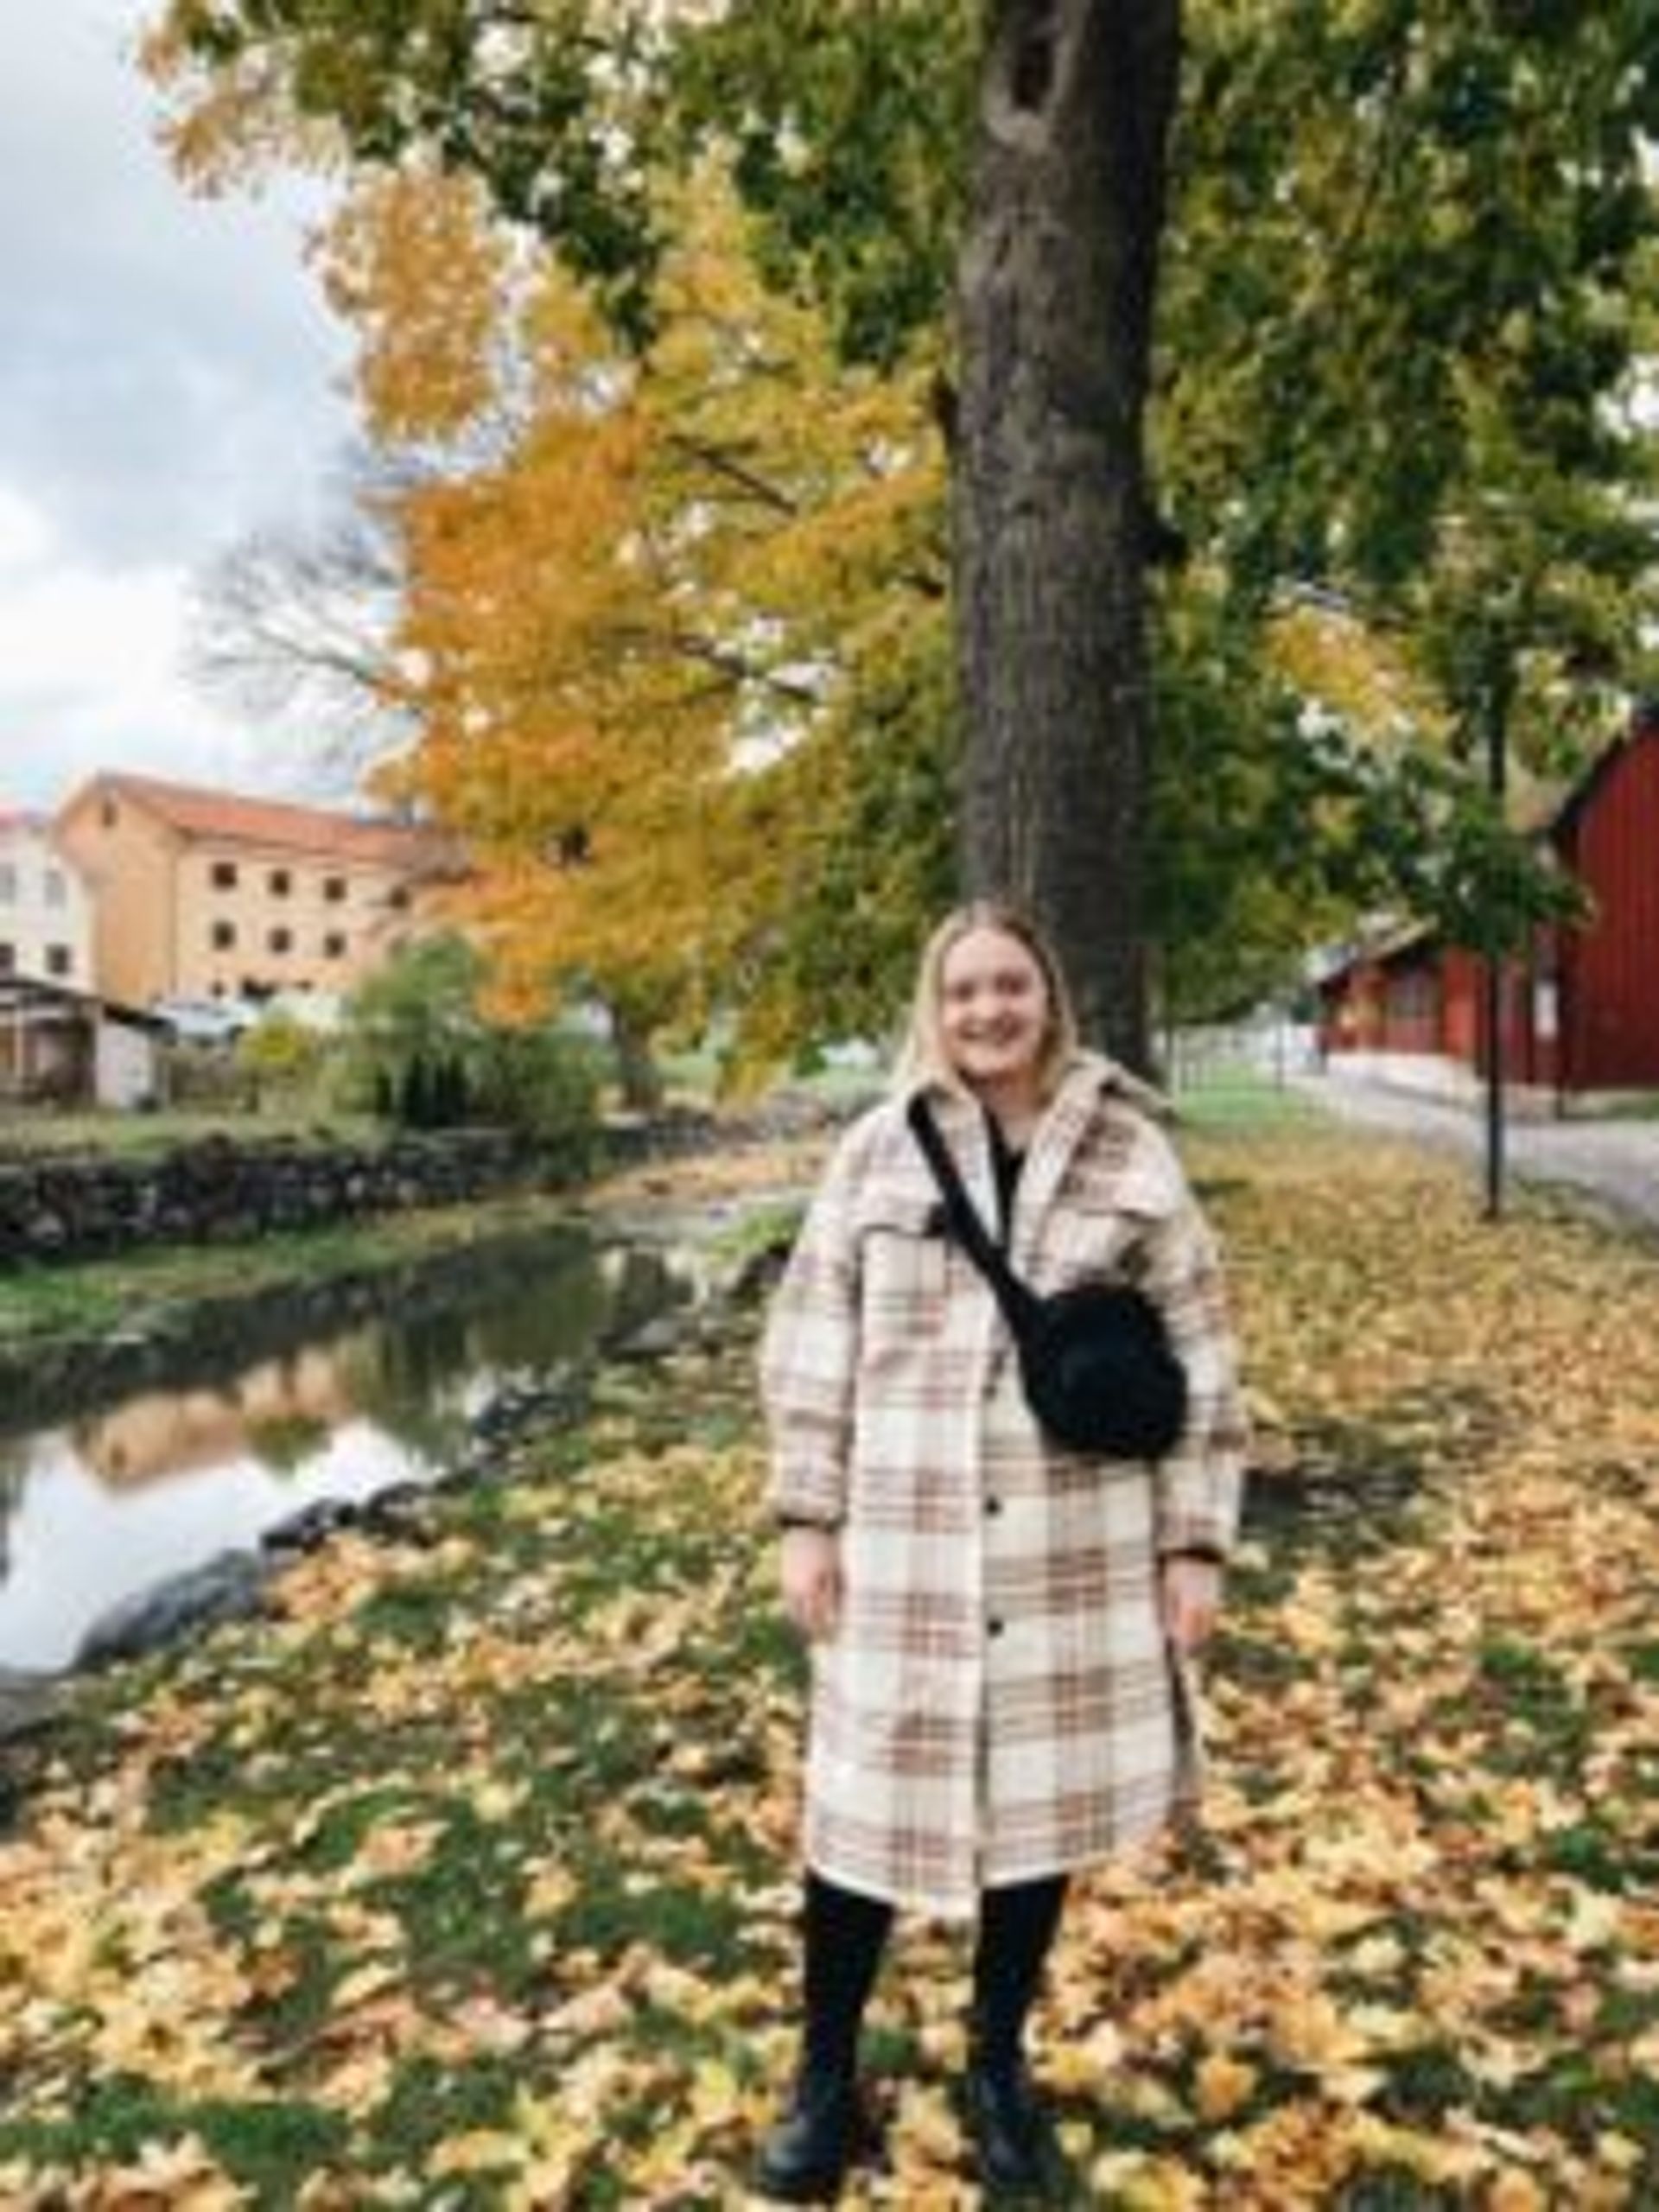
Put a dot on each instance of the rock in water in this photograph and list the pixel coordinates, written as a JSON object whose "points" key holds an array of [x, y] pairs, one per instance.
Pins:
{"points": [[28, 1702], [229, 1587]]}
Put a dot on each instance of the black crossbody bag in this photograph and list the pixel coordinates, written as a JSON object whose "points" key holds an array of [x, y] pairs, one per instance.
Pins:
{"points": [[1095, 1361]]}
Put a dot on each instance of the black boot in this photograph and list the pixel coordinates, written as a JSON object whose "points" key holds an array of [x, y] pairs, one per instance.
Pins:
{"points": [[1018, 2152], [1013, 2135], [805, 2157]]}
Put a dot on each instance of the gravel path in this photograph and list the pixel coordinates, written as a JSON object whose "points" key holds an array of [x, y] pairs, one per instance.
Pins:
{"points": [[1617, 1162]]}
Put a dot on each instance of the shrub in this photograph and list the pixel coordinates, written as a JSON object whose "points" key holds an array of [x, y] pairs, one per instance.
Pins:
{"points": [[419, 1052], [280, 1057], [545, 1083]]}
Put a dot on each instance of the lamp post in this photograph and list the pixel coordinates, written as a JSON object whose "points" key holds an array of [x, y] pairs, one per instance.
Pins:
{"points": [[1497, 691]]}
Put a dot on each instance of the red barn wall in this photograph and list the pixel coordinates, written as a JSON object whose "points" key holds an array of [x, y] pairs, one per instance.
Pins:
{"points": [[1610, 970], [1460, 1005]]}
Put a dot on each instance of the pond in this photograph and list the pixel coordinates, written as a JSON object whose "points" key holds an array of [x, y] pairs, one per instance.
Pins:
{"points": [[124, 1493]]}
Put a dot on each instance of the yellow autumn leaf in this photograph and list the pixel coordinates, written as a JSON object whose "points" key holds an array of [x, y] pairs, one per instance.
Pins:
{"points": [[391, 1848], [716, 2092], [1376, 1958], [1432, 2158], [1514, 2190], [1308, 2031], [1596, 1920], [1162, 2184], [1382, 1876], [1222, 2086], [550, 1889], [359, 2079], [1352, 2085], [373, 1978], [480, 2150], [924, 2128], [1081, 2065], [1619, 2151], [1501, 2061]]}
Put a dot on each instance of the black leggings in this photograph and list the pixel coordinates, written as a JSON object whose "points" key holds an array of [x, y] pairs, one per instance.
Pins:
{"points": [[845, 1935]]}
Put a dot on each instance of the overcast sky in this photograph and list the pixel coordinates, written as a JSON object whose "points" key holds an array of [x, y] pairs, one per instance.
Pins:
{"points": [[169, 381]]}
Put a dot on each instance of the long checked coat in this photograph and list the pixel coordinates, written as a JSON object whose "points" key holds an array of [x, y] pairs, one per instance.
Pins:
{"points": [[999, 1701]]}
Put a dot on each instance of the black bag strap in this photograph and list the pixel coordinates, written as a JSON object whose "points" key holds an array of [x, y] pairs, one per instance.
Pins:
{"points": [[1018, 1302]]}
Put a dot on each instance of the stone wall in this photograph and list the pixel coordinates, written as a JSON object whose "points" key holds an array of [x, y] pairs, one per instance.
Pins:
{"points": [[224, 1189]]}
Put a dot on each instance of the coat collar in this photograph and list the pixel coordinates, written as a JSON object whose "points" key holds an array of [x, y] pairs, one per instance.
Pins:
{"points": [[1070, 1112], [1089, 1076]]}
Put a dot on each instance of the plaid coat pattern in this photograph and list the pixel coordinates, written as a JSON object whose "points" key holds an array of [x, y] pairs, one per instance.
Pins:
{"points": [[999, 1701]]}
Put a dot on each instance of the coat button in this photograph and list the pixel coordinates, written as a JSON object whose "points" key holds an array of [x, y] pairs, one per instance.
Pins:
{"points": [[992, 1505], [994, 1626]]}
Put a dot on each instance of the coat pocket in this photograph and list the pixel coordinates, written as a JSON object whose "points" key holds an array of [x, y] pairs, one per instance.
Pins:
{"points": [[904, 1269], [1091, 1245], [1099, 1229]]}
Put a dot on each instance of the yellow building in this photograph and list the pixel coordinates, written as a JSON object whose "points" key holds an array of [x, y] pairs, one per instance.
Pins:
{"points": [[199, 894]]}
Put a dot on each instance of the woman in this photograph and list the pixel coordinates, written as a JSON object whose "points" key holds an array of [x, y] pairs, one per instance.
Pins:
{"points": [[999, 1627]]}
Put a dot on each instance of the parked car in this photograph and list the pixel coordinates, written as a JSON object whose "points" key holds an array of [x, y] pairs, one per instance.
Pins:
{"points": [[206, 1021]]}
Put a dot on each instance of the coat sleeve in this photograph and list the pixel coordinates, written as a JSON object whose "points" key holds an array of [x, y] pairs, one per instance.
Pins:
{"points": [[1199, 1485], [809, 1360]]}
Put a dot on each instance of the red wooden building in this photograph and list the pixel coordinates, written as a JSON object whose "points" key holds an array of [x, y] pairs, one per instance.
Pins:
{"points": [[1582, 1013]]}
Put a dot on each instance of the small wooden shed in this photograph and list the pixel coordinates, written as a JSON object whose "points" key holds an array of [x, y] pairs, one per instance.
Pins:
{"points": [[63, 1047]]}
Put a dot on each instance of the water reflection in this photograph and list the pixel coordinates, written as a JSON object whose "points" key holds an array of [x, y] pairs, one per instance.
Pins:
{"points": [[94, 1509], [276, 1413]]}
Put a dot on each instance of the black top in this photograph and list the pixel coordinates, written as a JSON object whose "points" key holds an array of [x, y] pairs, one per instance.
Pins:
{"points": [[1006, 1163]]}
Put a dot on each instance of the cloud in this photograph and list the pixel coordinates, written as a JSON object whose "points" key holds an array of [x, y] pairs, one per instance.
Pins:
{"points": [[169, 382], [167, 359], [92, 656], [25, 535]]}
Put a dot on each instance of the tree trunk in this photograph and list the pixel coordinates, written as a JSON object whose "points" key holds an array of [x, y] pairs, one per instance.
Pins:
{"points": [[638, 1077], [1056, 290]]}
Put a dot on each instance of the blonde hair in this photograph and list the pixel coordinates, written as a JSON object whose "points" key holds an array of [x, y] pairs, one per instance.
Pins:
{"points": [[922, 1059]]}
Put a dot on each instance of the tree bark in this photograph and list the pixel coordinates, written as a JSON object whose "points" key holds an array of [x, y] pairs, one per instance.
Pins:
{"points": [[638, 1077], [1056, 290]]}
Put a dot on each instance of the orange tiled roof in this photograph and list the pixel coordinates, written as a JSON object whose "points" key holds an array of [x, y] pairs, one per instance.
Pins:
{"points": [[226, 817]]}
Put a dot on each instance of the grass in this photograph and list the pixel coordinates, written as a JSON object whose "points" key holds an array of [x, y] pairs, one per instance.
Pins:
{"points": [[468, 1881], [1615, 1106], [1239, 1100], [138, 1136], [97, 1296]]}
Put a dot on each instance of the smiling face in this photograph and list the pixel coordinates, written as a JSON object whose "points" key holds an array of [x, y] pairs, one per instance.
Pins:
{"points": [[994, 1012]]}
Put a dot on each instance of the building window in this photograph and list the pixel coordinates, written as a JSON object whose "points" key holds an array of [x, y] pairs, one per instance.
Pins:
{"points": [[7, 884], [282, 883], [397, 897], [281, 940], [57, 890], [224, 875], [59, 960], [8, 958], [224, 936], [109, 814], [334, 889], [333, 946]]}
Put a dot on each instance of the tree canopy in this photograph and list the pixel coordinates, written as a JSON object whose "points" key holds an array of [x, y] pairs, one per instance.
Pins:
{"points": [[1397, 384]]}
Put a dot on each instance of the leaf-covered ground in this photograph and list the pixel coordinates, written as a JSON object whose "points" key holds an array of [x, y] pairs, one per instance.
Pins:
{"points": [[470, 1881]]}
